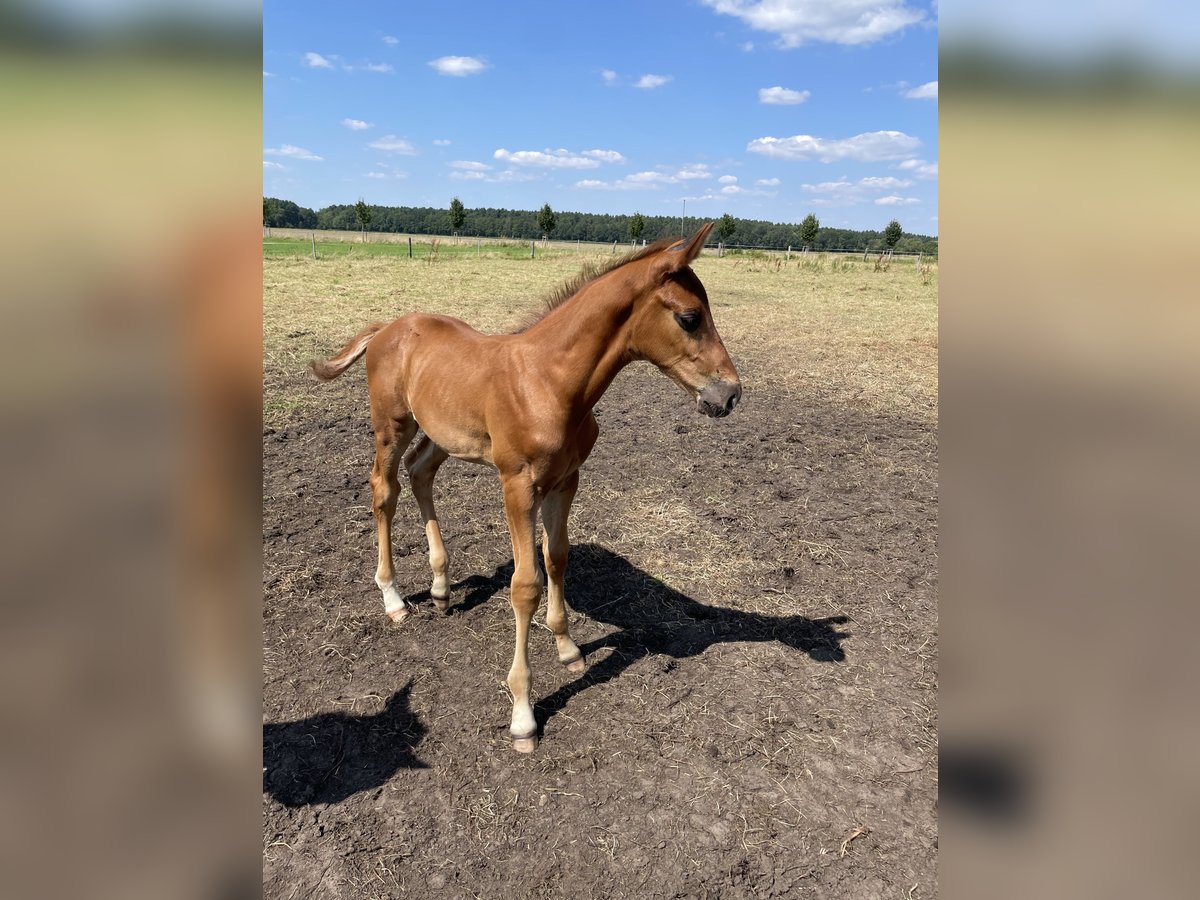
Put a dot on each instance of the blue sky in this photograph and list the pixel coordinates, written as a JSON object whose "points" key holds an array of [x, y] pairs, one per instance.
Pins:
{"points": [[765, 109]]}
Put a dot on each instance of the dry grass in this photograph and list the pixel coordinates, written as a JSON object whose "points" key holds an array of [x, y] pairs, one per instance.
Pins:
{"points": [[863, 337]]}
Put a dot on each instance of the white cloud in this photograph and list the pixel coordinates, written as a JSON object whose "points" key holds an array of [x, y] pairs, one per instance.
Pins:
{"points": [[798, 22], [884, 183], [458, 66], [609, 156], [637, 181], [357, 124], [651, 180], [827, 187], [267, 164], [390, 143], [377, 175], [388, 39], [768, 182], [781, 96], [623, 185], [926, 91], [317, 61], [920, 168], [648, 82], [481, 172], [727, 179], [558, 159], [747, 47], [848, 193], [293, 152], [896, 201], [609, 76], [733, 189], [267, 74], [441, 142], [870, 147], [378, 67]]}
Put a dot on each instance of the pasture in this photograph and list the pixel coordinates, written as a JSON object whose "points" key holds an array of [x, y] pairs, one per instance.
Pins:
{"points": [[755, 595]]}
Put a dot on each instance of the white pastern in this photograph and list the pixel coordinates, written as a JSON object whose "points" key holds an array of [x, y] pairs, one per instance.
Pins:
{"points": [[393, 603]]}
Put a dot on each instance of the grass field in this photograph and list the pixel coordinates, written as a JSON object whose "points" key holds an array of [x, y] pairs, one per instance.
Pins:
{"points": [[755, 596], [870, 336]]}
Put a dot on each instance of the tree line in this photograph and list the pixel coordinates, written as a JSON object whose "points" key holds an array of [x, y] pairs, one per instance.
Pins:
{"points": [[594, 227]]}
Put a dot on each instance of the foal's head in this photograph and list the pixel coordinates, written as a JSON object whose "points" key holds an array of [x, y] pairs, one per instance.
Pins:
{"points": [[673, 328]]}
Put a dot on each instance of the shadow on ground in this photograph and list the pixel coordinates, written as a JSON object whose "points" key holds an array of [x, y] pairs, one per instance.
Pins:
{"points": [[328, 757], [652, 618]]}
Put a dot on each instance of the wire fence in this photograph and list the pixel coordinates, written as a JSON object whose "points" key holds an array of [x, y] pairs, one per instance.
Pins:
{"points": [[300, 242]]}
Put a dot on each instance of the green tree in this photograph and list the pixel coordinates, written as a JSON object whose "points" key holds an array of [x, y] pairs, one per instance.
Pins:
{"points": [[726, 227], [363, 214], [547, 221], [892, 233], [636, 226], [458, 215], [808, 229]]}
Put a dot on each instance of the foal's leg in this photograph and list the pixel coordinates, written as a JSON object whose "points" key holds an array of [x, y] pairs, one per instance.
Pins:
{"points": [[555, 509], [422, 463], [521, 509], [391, 437]]}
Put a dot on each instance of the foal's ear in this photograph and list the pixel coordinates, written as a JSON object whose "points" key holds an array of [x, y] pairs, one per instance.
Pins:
{"points": [[682, 254]]}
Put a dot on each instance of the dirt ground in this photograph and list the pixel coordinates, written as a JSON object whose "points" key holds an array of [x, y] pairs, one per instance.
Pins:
{"points": [[756, 599]]}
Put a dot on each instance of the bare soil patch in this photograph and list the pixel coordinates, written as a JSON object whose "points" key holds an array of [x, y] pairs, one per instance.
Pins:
{"points": [[756, 597]]}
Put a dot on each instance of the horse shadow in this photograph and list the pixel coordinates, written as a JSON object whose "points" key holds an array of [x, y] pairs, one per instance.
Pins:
{"points": [[652, 618], [330, 756]]}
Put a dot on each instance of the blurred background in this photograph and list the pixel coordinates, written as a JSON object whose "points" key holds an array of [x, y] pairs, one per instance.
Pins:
{"points": [[1069, 376], [129, 426], [130, 412]]}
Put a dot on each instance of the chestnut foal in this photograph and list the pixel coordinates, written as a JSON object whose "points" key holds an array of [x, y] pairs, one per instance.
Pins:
{"points": [[522, 403]]}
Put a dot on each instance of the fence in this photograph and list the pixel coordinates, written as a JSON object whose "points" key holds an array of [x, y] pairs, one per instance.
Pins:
{"points": [[458, 245]]}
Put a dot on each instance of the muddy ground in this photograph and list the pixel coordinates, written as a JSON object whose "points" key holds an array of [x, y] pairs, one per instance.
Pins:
{"points": [[756, 598]]}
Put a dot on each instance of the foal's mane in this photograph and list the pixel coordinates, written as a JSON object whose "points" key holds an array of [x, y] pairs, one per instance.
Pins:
{"points": [[589, 273]]}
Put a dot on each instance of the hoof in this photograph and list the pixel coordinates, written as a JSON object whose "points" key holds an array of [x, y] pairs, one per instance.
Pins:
{"points": [[575, 665], [442, 604], [399, 615], [525, 744]]}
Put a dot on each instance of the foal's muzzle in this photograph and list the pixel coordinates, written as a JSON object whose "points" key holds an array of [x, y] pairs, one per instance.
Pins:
{"points": [[718, 398]]}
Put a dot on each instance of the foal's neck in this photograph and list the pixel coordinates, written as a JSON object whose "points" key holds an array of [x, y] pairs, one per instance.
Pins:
{"points": [[585, 341]]}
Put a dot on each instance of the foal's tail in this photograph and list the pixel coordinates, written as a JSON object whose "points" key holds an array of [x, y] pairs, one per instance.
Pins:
{"points": [[336, 365]]}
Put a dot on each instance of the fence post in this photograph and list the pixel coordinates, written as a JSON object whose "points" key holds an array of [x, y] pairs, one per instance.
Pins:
{"points": [[410, 247], [614, 247], [314, 240], [531, 250], [864, 254], [720, 249], [789, 253]]}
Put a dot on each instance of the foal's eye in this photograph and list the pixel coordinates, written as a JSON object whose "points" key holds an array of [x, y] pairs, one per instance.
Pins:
{"points": [[688, 321]]}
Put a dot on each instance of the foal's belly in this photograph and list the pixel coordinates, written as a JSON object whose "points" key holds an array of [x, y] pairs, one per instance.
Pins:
{"points": [[461, 443]]}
